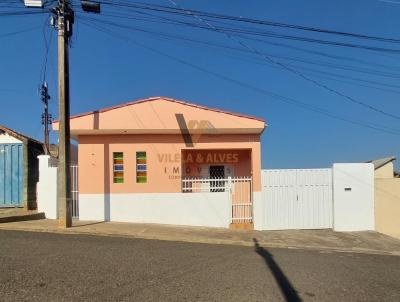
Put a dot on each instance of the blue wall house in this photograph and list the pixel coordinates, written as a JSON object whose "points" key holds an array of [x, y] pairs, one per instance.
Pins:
{"points": [[19, 169]]}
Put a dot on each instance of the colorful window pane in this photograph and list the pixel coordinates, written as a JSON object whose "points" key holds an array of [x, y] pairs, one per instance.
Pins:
{"points": [[118, 167], [141, 167]]}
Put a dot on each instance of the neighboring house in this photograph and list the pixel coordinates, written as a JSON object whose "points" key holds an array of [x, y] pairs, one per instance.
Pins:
{"points": [[152, 160], [387, 197], [384, 167], [18, 169]]}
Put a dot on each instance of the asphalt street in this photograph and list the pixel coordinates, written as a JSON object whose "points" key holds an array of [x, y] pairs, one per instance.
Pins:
{"points": [[57, 267]]}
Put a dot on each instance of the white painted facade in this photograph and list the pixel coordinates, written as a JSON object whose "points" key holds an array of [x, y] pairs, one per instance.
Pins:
{"points": [[194, 209], [5, 138], [47, 188], [353, 192]]}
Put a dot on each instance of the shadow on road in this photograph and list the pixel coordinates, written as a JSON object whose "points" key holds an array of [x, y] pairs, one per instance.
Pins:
{"points": [[287, 289]]}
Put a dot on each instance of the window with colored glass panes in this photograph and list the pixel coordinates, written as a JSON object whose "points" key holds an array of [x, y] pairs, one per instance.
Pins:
{"points": [[141, 167], [118, 167]]}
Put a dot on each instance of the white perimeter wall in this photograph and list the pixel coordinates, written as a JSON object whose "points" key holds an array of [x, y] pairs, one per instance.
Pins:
{"points": [[353, 191], [47, 188], [353, 204], [195, 209], [258, 211]]}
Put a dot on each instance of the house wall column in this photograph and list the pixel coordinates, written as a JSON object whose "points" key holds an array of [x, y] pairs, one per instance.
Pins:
{"points": [[258, 204], [94, 180]]}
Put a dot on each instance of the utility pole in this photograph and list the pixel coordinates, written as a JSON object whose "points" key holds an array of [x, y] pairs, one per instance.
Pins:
{"points": [[46, 117], [65, 20]]}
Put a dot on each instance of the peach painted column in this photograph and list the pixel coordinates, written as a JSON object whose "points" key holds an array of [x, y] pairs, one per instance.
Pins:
{"points": [[92, 164]]}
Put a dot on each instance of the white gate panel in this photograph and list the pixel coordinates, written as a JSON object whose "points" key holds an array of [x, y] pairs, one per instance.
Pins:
{"points": [[297, 199]]}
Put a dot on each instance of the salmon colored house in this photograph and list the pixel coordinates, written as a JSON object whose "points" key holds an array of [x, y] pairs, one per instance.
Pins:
{"points": [[160, 160]]}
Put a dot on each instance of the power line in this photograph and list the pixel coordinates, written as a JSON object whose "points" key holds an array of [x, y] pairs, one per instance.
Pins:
{"points": [[19, 32], [238, 31], [21, 13], [223, 30], [324, 54], [390, 1], [207, 44], [298, 73], [290, 58], [47, 44], [270, 94], [182, 11]]}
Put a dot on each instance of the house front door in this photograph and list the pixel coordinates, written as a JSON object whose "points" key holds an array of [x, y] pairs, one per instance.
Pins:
{"points": [[11, 175]]}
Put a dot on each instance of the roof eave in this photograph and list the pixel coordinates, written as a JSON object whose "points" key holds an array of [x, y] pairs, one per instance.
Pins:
{"points": [[162, 98], [20, 136]]}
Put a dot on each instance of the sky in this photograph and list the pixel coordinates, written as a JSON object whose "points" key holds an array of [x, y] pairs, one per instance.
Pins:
{"points": [[106, 70]]}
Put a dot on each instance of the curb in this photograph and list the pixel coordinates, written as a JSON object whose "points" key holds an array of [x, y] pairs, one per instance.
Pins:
{"points": [[23, 217], [325, 249]]}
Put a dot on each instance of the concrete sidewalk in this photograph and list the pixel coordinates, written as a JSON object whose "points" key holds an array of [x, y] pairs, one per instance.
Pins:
{"points": [[327, 240]]}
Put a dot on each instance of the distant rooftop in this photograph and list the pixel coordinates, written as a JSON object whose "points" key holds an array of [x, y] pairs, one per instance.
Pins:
{"points": [[4, 129], [381, 162]]}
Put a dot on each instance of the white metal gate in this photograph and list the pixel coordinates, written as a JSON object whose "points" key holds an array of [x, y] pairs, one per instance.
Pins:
{"points": [[297, 199], [74, 191], [242, 199]]}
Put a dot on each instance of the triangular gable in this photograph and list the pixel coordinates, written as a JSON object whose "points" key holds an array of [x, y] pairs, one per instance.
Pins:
{"points": [[18, 136], [162, 115]]}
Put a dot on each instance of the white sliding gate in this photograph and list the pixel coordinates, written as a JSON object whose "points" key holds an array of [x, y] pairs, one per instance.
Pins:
{"points": [[297, 199]]}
